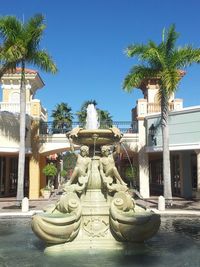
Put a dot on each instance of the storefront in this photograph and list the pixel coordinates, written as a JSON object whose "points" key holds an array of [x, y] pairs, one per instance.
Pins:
{"points": [[8, 176]]}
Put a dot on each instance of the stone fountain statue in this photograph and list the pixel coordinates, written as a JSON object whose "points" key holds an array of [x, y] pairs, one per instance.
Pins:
{"points": [[96, 209]]}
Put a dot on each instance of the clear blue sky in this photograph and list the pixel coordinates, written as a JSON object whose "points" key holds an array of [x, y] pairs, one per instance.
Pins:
{"points": [[86, 38]]}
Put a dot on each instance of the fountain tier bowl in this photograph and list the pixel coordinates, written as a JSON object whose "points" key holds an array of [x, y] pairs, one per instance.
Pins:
{"points": [[96, 136]]}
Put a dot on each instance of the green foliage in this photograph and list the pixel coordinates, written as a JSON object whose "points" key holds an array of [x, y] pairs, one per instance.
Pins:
{"points": [[62, 116], [21, 43], [105, 119], [160, 61], [131, 173], [50, 170], [46, 188], [69, 161], [63, 173]]}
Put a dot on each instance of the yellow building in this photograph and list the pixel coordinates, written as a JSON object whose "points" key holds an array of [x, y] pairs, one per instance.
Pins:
{"points": [[9, 133]]}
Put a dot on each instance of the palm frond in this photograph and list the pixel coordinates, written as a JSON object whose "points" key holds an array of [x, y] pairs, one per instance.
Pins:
{"points": [[170, 79], [33, 30], [43, 60], [10, 28], [185, 56], [150, 53], [137, 75], [135, 50], [171, 38]]}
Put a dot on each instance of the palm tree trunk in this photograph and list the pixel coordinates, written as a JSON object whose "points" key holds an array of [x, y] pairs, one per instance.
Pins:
{"points": [[21, 159], [166, 153]]}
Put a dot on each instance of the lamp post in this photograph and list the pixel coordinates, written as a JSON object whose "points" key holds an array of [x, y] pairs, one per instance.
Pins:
{"points": [[152, 132]]}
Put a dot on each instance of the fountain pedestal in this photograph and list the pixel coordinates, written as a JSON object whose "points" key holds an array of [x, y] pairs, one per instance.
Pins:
{"points": [[94, 230], [96, 211]]}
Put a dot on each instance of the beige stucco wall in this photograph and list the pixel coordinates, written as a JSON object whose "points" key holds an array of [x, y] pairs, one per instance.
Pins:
{"points": [[9, 132], [5, 95], [35, 108]]}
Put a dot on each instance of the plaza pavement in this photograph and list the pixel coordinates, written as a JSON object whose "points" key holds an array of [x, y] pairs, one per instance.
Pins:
{"points": [[180, 206]]}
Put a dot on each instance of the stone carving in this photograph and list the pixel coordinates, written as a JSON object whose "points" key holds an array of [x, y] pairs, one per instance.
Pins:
{"points": [[109, 172], [130, 222], [83, 166], [60, 223], [79, 178], [96, 227], [96, 207]]}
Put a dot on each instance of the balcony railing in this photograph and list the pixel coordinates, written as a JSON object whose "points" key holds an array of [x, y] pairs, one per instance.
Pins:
{"points": [[155, 107], [14, 107], [49, 128]]}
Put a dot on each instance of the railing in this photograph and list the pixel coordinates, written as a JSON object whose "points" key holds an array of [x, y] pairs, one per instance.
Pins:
{"points": [[155, 107], [14, 107], [49, 128], [43, 115]]}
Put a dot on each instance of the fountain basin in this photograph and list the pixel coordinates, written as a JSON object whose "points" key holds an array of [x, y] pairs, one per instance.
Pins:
{"points": [[95, 136]]}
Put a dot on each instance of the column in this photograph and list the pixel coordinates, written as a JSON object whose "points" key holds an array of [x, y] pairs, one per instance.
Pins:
{"points": [[185, 172], [198, 170], [34, 178], [37, 179], [143, 160], [7, 181]]}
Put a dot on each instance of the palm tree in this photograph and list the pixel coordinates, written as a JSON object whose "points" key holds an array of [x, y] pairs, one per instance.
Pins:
{"points": [[62, 117], [105, 119], [163, 62], [21, 46]]}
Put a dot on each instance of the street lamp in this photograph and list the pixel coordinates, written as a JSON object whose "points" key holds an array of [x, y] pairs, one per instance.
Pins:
{"points": [[152, 132]]}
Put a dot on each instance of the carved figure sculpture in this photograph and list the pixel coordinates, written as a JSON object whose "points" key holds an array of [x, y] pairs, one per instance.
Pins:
{"points": [[107, 166], [83, 166]]}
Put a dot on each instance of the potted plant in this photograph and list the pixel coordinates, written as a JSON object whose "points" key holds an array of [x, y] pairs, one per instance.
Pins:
{"points": [[50, 172], [46, 192]]}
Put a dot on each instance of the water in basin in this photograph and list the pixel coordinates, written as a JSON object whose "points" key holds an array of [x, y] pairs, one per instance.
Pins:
{"points": [[177, 243]]}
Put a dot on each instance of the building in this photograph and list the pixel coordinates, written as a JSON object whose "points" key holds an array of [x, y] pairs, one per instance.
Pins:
{"points": [[184, 144], [141, 143], [9, 128]]}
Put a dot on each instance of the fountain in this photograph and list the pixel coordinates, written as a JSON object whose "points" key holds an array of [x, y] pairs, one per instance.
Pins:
{"points": [[96, 210]]}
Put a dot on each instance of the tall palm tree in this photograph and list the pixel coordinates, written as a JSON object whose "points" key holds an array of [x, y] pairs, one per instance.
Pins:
{"points": [[21, 46], [62, 117], [163, 62]]}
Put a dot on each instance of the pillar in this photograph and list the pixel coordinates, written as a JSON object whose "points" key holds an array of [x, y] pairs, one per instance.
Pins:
{"points": [[143, 160], [185, 172], [42, 176], [7, 180], [198, 171], [34, 178], [37, 179]]}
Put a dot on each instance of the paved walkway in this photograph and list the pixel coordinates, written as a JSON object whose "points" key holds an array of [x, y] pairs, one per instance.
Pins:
{"points": [[180, 206]]}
